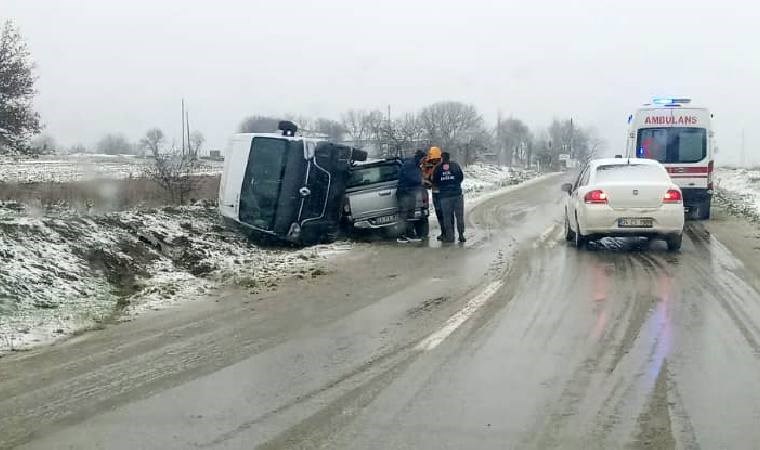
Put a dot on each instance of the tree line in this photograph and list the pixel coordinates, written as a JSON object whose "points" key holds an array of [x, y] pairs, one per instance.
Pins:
{"points": [[454, 126]]}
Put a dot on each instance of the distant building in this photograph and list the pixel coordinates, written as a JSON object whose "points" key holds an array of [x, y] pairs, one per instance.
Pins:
{"points": [[487, 158]]}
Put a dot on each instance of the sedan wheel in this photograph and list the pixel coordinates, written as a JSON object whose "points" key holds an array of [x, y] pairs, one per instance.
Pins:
{"points": [[674, 242], [580, 240], [569, 233]]}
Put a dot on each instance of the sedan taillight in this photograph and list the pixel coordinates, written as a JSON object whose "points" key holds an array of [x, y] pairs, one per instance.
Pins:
{"points": [[596, 197], [672, 196]]}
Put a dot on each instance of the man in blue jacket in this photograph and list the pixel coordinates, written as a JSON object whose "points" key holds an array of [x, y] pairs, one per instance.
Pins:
{"points": [[448, 177], [409, 187]]}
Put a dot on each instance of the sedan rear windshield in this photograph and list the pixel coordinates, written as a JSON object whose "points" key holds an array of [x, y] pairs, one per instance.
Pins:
{"points": [[362, 176], [636, 173], [672, 145]]}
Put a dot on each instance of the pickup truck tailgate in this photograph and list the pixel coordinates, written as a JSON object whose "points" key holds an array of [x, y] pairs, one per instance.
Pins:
{"points": [[378, 201]]}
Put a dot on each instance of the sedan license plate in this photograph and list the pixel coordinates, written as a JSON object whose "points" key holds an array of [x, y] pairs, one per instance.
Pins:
{"points": [[386, 220], [631, 222]]}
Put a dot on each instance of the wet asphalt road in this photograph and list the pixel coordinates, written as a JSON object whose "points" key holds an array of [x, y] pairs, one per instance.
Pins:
{"points": [[515, 340]]}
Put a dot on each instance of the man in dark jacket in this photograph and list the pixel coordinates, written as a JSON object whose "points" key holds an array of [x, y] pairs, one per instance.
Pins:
{"points": [[409, 187], [448, 177]]}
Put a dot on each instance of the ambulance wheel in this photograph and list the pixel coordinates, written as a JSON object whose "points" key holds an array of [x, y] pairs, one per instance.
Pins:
{"points": [[703, 210], [422, 228]]}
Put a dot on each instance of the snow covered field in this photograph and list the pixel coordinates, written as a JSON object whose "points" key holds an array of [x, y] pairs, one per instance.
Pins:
{"points": [[63, 275], [740, 188], [66, 273], [81, 167]]}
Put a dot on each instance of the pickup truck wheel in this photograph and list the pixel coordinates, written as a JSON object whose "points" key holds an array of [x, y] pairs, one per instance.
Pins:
{"points": [[359, 155], [422, 228], [395, 230]]}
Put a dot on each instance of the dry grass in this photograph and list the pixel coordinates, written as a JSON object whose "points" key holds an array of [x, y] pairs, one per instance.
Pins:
{"points": [[104, 195]]}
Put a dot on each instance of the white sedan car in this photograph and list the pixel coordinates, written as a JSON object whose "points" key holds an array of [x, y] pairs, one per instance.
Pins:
{"points": [[624, 197]]}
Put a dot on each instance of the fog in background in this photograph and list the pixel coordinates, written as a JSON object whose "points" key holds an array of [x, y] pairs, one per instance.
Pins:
{"points": [[107, 66]]}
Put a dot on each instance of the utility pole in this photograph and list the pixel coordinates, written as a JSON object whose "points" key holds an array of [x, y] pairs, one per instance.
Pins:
{"points": [[183, 127], [187, 128], [389, 141], [499, 144], [744, 153], [572, 133]]}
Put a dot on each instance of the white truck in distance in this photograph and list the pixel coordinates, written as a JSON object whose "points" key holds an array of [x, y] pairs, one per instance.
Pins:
{"points": [[679, 136]]}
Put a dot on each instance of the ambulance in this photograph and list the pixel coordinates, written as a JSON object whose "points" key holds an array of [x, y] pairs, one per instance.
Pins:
{"points": [[680, 136]]}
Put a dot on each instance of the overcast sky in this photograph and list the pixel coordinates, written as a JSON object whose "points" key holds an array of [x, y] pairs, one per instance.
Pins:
{"points": [[108, 66]]}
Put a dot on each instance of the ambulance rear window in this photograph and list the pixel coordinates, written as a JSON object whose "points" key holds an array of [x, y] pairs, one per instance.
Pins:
{"points": [[672, 145]]}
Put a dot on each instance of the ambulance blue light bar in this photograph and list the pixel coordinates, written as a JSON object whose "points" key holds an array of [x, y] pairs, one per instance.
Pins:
{"points": [[671, 101]]}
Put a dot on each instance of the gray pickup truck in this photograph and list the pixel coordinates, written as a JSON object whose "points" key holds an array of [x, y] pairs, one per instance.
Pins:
{"points": [[370, 201]]}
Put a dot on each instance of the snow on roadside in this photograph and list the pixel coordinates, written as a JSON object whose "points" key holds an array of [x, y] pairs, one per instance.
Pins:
{"points": [[479, 178], [60, 276], [740, 190]]}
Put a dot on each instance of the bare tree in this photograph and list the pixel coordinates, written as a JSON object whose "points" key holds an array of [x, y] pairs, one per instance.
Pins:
{"points": [[565, 137], [474, 144], [176, 173], [196, 142], [355, 125], [259, 124], [453, 126], [332, 128], [306, 125], [403, 135], [365, 129], [596, 144], [115, 144], [374, 123], [77, 148], [542, 148], [153, 141], [43, 144], [513, 138]]}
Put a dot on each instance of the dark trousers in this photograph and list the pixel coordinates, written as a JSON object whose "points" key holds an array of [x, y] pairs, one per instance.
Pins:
{"points": [[407, 203], [437, 208], [452, 207]]}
